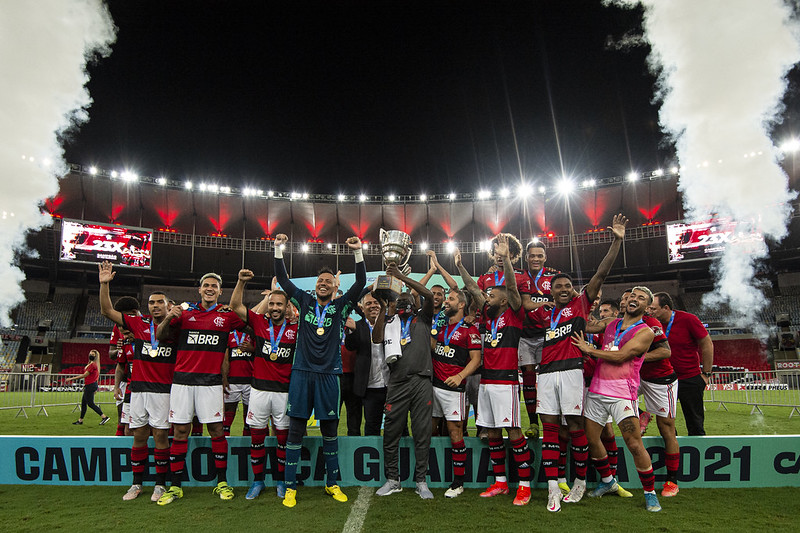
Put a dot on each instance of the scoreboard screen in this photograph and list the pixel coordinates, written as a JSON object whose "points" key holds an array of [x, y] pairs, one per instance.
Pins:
{"points": [[93, 242], [692, 241]]}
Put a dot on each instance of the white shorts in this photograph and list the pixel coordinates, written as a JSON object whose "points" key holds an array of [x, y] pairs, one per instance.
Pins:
{"points": [[186, 401], [585, 394], [449, 404], [125, 417], [599, 407], [266, 404], [660, 399], [498, 406], [149, 409], [238, 392], [122, 387], [560, 393], [530, 350]]}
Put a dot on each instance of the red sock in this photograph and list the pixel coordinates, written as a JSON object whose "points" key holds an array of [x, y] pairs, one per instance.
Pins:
{"points": [[522, 456], [257, 452], [602, 466], [161, 456], [219, 447], [580, 452], [648, 479], [177, 460], [613, 453], [550, 450], [563, 446], [459, 457], [138, 459], [120, 431], [282, 435], [227, 421], [673, 461], [529, 394], [497, 452]]}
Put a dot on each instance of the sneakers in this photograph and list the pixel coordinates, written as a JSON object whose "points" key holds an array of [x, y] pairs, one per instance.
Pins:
{"points": [[644, 419], [78, 423], [554, 500], [523, 495], [174, 493], [255, 490], [622, 493], [455, 490], [290, 499], [423, 491], [651, 502], [390, 487], [132, 493], [158, 492], [532, 431], [335, 492], [224, 490], [604, 488], [564, 488], [578, 489], [280, 489], [105, 420], [670, 489], [495, 490]]}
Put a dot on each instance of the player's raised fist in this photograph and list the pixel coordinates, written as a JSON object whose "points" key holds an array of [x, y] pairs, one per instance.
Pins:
{"points": [[392, 270], [246, 274], [501, 248], [106, 272], [457, 256], [354, 243], [280, 239], [618, 225]]}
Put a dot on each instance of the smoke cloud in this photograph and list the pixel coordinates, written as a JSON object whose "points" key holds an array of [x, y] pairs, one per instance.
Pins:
{"points": [[721, 67], [44, 48]]}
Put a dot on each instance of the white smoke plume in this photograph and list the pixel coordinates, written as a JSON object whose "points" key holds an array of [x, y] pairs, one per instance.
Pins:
{"points": [[44, 48], [721, 67]]}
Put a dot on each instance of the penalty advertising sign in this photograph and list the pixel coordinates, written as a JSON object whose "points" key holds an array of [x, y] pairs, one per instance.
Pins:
{"points": [[706, 462]]}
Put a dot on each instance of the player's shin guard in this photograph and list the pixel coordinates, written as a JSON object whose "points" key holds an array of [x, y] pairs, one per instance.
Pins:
{"points": [[258, 454], [563, 447], [227, 420], [177, 460], [161, 456], [613, 453], [580, 452], [219, 447], [602, 467], [138, 462], [281, 435], [673, 461], [246, 430], [497, 452], [648, 479], [550, 450], [459, 456], [529, 394], [522, 457]]}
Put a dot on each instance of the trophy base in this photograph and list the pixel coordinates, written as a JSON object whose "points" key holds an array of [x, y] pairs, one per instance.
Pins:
{"points": [[387, 288]]}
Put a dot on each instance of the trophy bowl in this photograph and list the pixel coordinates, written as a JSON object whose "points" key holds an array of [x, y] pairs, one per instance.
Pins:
{"points": [[395, 248]]}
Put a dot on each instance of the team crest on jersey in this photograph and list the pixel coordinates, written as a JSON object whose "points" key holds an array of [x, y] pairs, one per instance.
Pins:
{"points": [[289, 334], [219, 322], [657, 331], [474, 338], [546, 285], [567, 312]]}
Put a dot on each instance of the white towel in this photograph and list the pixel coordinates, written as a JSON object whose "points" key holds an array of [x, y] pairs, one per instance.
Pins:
{"points": [[391, 340]]}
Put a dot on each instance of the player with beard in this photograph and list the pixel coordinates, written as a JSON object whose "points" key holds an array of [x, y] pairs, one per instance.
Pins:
{"points": [[498, 395], [201, 376], [614, 391], [560, 374], [275, 340], [314, 383], [149, 385], [410, 390], [456, 355]]}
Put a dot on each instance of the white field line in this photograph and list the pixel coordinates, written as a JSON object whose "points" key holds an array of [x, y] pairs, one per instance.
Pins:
{"points": [[358, 513]]}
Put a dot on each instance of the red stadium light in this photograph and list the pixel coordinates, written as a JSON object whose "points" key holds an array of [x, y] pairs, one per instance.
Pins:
{"points": [[550, 234], [218, 234]]}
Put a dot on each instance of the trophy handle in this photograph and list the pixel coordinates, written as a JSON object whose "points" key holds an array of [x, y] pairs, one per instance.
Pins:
{"points": [[382, 233]]}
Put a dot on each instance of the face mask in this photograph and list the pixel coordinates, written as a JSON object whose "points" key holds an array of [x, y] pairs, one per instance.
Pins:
{"points": [[404, 308]]}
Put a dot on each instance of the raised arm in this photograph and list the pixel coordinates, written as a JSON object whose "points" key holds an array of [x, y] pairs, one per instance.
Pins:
{"points": [[444, 273], [380, 322], [514, 298], [618, 229], [469, 283], [354, 243], [280, 268], [422, 290], [106, 274], [164, 330], [236, 304]]}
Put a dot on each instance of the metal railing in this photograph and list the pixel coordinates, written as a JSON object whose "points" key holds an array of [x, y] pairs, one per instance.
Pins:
{"points": [[775, 388], [22, 391]]}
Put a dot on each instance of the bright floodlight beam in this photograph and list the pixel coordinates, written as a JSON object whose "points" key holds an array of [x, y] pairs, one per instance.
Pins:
{"points": [[524, 190], [633, 176], [566, 187], [790, 146]]}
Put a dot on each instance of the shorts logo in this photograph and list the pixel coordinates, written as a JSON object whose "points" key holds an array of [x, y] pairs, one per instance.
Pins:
{"points": [[171, 413], [388, 407], [578, 408], [219, 322], [195, 337], [626, 408], [250, 415], [456, 413], [662, 410], [506, 420], [217, 414]]}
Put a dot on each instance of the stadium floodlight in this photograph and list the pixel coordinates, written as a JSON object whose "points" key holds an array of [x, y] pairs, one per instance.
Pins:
{"points": [[423, 197], [305, 196], [295, 195], [658, 172], [673, 170], [504, 192], [46, 162], [304, 248], [566, 186], [203, 187], [535, 239], [259, 192], [213, 188], [341, 197], [790, 146], [31, 159], [524, 190], [483, 194], [450, 247], [392, 198], [362, 198], [188, 185], [365, 246], [633, 176], [270, 194], [225, 189], [423, 246], [162, 181], [542, 189], [114, 173], [329, 246], [24, 157], [452, 196], [93, 171]]}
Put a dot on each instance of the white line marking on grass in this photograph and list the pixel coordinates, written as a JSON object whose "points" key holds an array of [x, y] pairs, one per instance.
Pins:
{"points": [[358, 513]]}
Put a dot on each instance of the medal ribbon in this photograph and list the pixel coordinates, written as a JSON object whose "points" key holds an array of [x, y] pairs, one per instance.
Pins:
{"points": [[405, 329], [618, 336], [436, 319], [153, 340], [321, 316], [498, 280], [274, 343], [198, 307], [536, 281], [557, 318], [494, 328], [669, 326], [448, 336]]}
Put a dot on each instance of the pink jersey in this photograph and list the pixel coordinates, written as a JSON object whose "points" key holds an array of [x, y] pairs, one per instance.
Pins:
{"points": [[618, 380]]}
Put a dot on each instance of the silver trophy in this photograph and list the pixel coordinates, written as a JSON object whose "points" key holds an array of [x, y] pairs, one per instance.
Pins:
{"points": [[395, 248]]}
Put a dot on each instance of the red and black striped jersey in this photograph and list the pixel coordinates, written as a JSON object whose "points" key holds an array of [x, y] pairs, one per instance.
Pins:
{"points": [[492, 279], [272, 366], [241, 362], [125, 355], [155, 361], [539, 283], [558, 352], [451, 359], [661, 370], [500, 346]]}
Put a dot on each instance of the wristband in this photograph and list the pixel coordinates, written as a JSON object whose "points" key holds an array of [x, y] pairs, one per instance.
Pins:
{"points": [[278, 252], [359, 255]]}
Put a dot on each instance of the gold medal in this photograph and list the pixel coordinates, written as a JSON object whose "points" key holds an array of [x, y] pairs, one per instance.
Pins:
{"points": [[434, 331], [494, 343], [403, 342], [273, 357], [446, 349], [320, 331], [551, 335]]}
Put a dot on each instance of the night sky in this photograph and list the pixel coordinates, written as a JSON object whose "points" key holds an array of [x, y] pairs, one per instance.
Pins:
{"points": [[371, 96]]}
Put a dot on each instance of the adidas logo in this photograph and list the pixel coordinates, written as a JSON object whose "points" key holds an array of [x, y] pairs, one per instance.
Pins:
{"points": [[626, 408], [192, 319], [578, 407], [506, 420], [331, 413], [662, 410], [217, 414], [456, 413]]}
